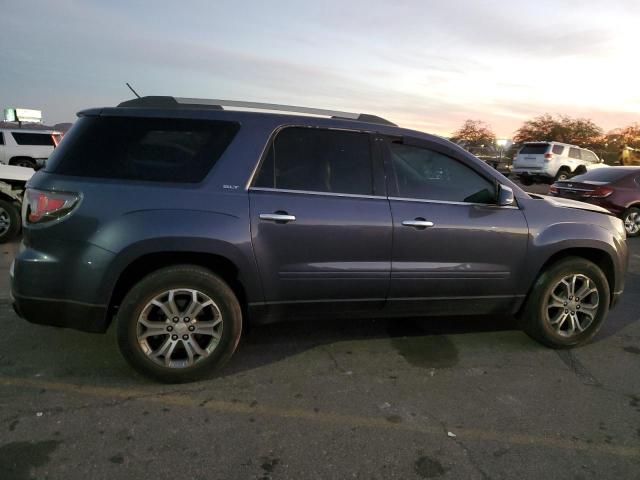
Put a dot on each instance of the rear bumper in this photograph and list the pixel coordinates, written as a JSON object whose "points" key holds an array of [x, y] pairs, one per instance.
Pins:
{"points": [[67, 314]]}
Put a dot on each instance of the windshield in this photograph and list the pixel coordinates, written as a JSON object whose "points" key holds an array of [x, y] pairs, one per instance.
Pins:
{"points": [[608, 175]]}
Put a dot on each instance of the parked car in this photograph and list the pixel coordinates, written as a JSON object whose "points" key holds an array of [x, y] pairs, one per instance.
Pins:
{"points": [[26, 147], [12, 185], [617, 189], [546, 162], [184, 222]]}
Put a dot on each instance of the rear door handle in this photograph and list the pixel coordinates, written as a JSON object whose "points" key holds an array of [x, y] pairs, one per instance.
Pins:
{"points": [[419, 223], [278, 217]]}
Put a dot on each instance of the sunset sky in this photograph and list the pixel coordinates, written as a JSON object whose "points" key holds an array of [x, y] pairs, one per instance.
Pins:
{"points": [[423, 64]]}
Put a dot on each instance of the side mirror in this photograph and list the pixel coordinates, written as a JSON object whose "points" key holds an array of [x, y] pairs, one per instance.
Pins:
{"points": [[505, 196]]}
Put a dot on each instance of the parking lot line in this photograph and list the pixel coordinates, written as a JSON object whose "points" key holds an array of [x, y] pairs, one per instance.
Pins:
{"points": [[329, 418]]}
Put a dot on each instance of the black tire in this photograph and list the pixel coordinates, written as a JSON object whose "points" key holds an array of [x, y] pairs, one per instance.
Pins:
{"points": [[526, 180], [631, 215], [10, 221], [24, 162], [165, 279], [562, 175], [533, 318]]}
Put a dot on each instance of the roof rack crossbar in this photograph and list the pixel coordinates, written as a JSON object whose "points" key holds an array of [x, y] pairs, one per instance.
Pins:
{"points": [[218, 104]]}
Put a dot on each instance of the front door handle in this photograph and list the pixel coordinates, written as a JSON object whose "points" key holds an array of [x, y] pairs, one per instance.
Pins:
{"points": [[278, 217], [419, 223]]}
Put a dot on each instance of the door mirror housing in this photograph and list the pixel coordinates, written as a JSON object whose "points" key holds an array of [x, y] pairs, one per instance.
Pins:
{"points": [[505, 196]]}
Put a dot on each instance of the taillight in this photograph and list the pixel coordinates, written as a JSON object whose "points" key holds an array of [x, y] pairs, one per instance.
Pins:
{"points": [[41, 206], [553, 190], [600, 192], [548, 157]]}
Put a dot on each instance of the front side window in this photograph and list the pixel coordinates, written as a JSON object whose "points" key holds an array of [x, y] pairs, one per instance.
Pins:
{"points": [[426, 174], [40, 139], [317, 160], [589, 156], [574, 153]]}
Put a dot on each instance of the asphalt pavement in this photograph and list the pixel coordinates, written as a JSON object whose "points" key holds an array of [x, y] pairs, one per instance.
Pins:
{"points": [[454, 398]]}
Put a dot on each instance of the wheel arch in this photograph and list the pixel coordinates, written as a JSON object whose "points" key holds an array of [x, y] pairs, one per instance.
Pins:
{"points": [[598, 256], [148, 263]]}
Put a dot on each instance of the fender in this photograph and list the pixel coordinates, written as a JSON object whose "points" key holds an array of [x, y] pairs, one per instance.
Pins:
{"points": [[175, 231]]}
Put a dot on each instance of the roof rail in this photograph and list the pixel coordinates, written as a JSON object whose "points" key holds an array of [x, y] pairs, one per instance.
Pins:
{"points": [[200, 103]]}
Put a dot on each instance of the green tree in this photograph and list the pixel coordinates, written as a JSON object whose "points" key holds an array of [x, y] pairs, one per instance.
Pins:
{"points": [[577, 131], [474, 133]]}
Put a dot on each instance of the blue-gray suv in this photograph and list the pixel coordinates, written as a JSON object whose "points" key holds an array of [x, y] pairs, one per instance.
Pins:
{"points": [[183, 221]]}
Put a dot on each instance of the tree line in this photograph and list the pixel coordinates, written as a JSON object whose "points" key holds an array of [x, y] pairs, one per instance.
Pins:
{"points": [[561, 128]]}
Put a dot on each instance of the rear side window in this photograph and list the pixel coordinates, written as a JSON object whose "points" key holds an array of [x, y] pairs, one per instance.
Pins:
{"points": [[557, 149], [574, 153], [317, 160], [41, 139], [534, 148], [1, 138], [151, 149]]}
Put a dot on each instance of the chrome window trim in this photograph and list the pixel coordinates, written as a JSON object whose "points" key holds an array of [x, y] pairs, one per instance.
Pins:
{"points": [[275, 133], [310, 192], [576, 189], [446, 202]]}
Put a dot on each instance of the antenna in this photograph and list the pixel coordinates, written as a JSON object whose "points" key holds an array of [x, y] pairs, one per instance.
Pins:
{"points": [[131, 88]]}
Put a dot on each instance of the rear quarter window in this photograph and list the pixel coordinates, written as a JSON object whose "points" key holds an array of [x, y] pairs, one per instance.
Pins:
{"points": [[148, 149], [557, 149], [40, 139]]}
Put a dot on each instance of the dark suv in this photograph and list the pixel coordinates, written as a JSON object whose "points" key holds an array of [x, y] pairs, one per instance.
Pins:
{"points": [[184, 221]]}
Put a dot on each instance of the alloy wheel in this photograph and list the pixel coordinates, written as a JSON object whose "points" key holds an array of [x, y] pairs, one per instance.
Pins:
{"points": [[5, 221], [179, 328], [572, 305], [632, 223]]}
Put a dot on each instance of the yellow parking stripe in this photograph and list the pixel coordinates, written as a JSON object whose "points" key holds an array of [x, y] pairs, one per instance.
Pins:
{"points": [[171, 399]]}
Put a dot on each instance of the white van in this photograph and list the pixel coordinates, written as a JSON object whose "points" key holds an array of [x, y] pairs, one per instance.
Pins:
{"points": [[27, 147], [552, 161]]}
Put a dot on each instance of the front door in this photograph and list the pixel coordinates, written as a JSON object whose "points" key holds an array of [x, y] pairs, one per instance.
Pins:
{"points": [[454, 250], [320, 224]]}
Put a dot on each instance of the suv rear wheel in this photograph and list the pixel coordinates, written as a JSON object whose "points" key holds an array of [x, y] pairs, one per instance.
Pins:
{"points": [[567, 305], [23, 162], [179, 323], [563, 174], [9, 221]]}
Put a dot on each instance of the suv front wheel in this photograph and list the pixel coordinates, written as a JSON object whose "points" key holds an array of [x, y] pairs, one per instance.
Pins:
{"points": [[178, 324], [567, 305]]}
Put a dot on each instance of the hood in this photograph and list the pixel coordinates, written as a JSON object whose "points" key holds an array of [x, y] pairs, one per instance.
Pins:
{"points": [[567, 203], [11, 172]]}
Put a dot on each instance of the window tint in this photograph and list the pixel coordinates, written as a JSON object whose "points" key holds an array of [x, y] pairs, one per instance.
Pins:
{"points": [[318, 160], [23, 138], [425, 174], [534, 148], [1, 138], [589, 156], [604, 174], [574, 153], [557, 149], [153, 149]]}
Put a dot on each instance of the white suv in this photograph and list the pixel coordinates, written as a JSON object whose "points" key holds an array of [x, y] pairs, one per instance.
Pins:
{"points": [[550, 161], [26, 147]]}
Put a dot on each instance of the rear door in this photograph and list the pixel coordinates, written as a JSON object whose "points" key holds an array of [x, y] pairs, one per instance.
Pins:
{"points": [[454, 250], [321, 223]]}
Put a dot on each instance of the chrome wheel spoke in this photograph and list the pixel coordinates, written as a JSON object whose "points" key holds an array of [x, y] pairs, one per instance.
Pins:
{"points": [[208, 328], [163, 307], [589, 310], [557, 302], [171, 303]]}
